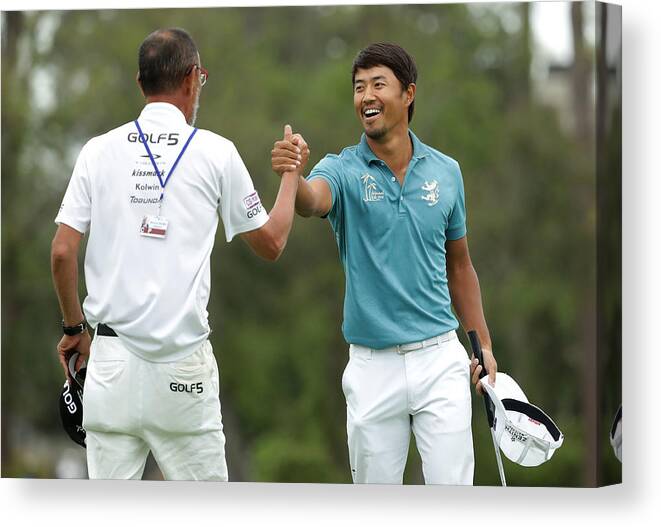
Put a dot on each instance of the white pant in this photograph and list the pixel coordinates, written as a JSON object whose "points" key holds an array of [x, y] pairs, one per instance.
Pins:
{"points": [[389, 394], [132, 406]]}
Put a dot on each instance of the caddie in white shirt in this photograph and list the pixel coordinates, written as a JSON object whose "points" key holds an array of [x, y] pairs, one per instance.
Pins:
{"points": [[149, 194]]}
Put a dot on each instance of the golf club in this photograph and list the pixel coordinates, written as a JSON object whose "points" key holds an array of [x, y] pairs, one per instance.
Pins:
{"points": [[488, 404]]}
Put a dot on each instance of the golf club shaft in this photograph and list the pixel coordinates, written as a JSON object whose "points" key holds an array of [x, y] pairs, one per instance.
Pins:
{"points": [[477, 351], [488, 405], [501, 471]]}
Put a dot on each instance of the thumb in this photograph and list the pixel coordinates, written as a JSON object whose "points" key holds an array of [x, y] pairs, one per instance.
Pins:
{"points": [[287, 132], [80, 363], [492, 377]]}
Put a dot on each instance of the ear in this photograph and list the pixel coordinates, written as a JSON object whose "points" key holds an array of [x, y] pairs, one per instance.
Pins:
{"points": [[137, 81], [189, 83], [410, 94]]}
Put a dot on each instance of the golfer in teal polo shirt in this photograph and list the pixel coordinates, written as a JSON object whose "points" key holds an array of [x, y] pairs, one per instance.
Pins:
{"points": [[398, 211]]}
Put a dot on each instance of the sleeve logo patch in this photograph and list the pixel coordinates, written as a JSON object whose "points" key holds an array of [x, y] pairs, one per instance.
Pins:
{"points": [[251, 201]]}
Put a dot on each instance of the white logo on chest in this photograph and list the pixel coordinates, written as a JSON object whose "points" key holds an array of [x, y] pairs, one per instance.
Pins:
{"points": [[370, 191], [430, 192]]}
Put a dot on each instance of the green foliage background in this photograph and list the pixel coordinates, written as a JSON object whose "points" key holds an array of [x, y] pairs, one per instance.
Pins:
{"points": [[530, 191]]}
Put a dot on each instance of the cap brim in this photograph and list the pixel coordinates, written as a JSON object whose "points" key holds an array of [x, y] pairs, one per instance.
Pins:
{"points": [[536, 417], [505, 387], [77, 376]]}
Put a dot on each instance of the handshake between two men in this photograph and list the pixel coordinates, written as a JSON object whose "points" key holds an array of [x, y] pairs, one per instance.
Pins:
{"points": [[290, 154]]}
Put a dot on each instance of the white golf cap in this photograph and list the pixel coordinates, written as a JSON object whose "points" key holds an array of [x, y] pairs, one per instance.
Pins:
{"points": [[616, 434], [525, 434]]}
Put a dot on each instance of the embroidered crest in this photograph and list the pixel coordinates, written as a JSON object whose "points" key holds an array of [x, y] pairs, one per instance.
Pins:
{"points": [[371, 191], [431, 192]]}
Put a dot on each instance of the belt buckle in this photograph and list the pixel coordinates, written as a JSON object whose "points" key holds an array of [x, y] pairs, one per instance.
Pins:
{"points": [[412, 347], [401, 350]]}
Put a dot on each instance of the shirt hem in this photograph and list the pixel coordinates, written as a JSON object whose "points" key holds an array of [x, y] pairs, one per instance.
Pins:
{"points": [[455, 235], [377, 345], [80, 227], [246, 227]]}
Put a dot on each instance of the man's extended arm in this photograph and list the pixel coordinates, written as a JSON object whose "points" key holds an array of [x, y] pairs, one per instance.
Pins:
{"points": [[64, 267], [313, 198], [270, 239], [467, 301]]}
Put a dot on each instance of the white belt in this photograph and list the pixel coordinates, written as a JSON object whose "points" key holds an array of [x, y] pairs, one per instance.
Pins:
{"points": [[412, 346]]}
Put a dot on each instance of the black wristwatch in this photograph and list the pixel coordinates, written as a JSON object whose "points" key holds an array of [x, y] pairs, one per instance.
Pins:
{"points": [[74, 330]]}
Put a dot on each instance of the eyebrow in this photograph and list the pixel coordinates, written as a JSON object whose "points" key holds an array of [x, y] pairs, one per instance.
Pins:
{"points": [[375, 78]]}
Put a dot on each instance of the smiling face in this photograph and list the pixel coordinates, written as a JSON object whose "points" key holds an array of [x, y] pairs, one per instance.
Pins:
{"points": [[380, 102]]}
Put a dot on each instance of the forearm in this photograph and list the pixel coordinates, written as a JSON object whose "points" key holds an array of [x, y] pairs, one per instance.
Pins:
{"points": [[282, 213], [306, 200], [64, 267], [467, 301]]}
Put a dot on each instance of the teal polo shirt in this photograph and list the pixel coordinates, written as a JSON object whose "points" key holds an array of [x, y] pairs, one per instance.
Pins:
{"points": [[391, 240]]}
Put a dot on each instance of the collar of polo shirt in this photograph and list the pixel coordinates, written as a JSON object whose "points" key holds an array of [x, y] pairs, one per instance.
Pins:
{"points": [[419, 149], [164, 109]]}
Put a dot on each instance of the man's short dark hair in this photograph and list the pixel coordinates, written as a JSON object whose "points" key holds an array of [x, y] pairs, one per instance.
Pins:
{"points": [[392, 56], [164, 59]]}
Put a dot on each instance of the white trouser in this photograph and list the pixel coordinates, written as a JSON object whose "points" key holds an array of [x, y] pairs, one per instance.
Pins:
{"points": [[132, 406], [390, 393]]}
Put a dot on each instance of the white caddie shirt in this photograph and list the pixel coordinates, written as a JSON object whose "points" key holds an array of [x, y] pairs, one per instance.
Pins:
{"points": [[154, 291]]}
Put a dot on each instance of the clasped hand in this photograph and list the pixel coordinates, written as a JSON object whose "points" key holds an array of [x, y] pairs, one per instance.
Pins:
{"points": [[290, 154]]}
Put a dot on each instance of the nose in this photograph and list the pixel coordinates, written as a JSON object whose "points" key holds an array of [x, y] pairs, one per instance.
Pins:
{"points": [[368, 94]]}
